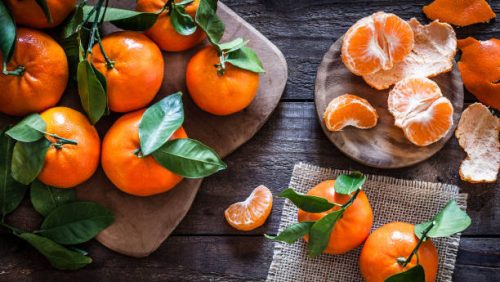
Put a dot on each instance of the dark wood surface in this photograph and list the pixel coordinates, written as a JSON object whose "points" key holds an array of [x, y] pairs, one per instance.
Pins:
{"points": [[204, 247]]}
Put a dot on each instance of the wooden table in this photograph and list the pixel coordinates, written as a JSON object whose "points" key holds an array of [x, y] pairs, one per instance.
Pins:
{"points": [[204, 247]]}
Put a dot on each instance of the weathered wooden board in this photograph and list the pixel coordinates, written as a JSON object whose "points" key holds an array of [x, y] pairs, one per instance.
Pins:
{"points": [[383, 146]]}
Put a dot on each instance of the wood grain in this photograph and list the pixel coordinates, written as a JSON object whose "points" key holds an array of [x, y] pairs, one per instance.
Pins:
{"points": [[383, 146]]}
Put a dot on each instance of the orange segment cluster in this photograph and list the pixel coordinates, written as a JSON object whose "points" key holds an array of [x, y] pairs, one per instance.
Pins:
{"points": [[251, 213], [480, 69], [349, 110], [419, 108], [460, 13], [376, 42]]}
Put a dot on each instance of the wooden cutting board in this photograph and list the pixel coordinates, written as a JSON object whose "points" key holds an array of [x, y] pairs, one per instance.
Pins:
{"points": [[142, 224], [385, 145]]}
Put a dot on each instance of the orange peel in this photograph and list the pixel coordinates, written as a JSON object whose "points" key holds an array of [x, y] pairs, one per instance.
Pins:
{"points": [[433, 54], [459, 13], [477, 133], [480, 69], [349, 110]]}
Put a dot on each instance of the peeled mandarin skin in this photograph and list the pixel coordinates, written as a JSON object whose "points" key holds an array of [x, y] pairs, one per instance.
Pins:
{"points": [[28, 12], [72, 164], [352, 229], [44, 79], [459, 13], [139, 176], [163, 32], [378, 259], [138, 69], [219, 94]]}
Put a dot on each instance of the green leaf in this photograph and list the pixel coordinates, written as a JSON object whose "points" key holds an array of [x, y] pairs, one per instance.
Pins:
{"points": [[46, 198], [232, 46], [75, 20], [28, 160], [209, 22], [7, 33], [245, 58], [293, 232], [29, 129], [306, 203], [414, 274], [319, 235], [346, 184], [76, 222], [450, 220], [11, 191], [189, 158], [182, 22], [126, 19], [58, 256], [92, 92], [159, 122], [45, 8]]}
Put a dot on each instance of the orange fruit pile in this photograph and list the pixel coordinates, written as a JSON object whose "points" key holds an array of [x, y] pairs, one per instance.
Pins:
{"points": [[376, 42], [479, 67], [419, 108], [459, 13], [137, 71], [349, 110], [349, 231], [379, 256], [132, 173], [43, 78], [251, 213], [70, 165]]}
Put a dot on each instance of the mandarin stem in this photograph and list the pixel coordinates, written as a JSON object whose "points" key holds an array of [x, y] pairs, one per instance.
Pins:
{"points": [[19, 71], [415, 250]]}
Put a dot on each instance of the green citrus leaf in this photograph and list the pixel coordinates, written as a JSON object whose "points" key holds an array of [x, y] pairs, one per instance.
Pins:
{"points": [[159, 122], [245, 58], [11, 191], [319, 235], [58, 256], [29, 129], [92, 92], [7, 33], [125, 19], [182, 22], [292, 233], [76, 222], [450, 220], [306, 203], [347, 183], [414, 274], [45, 8], [232, 46], [208, 21], [189, 158], [28, 160], [74, 21], [46, 198]]}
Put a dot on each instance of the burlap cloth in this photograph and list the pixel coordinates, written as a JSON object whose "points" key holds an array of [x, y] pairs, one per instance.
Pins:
{"points": [[391, 199]]}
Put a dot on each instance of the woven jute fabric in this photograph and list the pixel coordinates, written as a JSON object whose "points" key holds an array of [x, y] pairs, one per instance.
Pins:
{"points": [[391, 199]]}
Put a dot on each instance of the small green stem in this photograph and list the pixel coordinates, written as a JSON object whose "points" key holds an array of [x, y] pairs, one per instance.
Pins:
{"points": [[138, 153], [98, 7], [404, 262], [19, 71], [109, 63], [13, 229], [221, 67]]}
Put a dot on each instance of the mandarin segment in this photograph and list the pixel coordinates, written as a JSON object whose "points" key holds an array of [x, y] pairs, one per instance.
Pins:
{"points": [[477, 133], [420, 110], [251, 213], [352, 228], [459, 13], [480, 69], [378, 259], [375, 43], [349, 110], [433, 54]]}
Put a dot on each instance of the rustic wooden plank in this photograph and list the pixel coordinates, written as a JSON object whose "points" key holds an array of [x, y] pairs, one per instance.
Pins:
{"points": [[305, 29], [201, 258], [292, 135]]}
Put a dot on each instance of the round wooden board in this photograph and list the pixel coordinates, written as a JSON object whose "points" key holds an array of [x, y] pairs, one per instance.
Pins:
{"points": [[143, 223], [385, 145]]}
